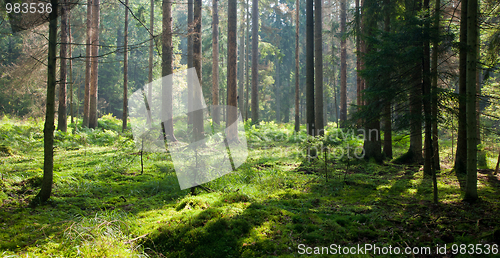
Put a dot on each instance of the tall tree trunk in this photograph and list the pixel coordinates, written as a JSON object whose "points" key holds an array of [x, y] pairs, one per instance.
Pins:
{"points": [[318, 48], [435, 135], [387, 117], [358, 57], [198, 129], [62, 121], [241, 65], [471, 182], [232, 114], [88, 65], [166, 70], [461, 153], [151, 52], [343, 64], [190, 59], [247, 68], [297, 65], [48, 131], [426, 89], [277, 91], [310, 67], [70, 53], [255, 61], [215, 63], [94, 71], [125, 70]]}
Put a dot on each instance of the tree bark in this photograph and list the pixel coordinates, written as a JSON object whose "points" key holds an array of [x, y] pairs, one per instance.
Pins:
{"points": [[297, 65], [277, 91], [247, 68], [471, 180], [435, 111], [62, 119], [461, 153], [125, 70], [426, 89], [48, 131], [255, 61], [241, 69], [310, 68], [166, 70], [198, 129], [94, 68], [343, 64], [70, 53], [190, 60], [387, 117], [151, 53], [215, 63], [358, 57], [88, 73], [232, 114], [318, 48]]}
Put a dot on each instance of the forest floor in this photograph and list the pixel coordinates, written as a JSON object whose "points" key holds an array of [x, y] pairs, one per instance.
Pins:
{"points": [[275, 204]]}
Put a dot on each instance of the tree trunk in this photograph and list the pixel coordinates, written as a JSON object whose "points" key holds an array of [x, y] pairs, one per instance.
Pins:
{"points": [[247, 75], [151, 52], [166, 70], [255, 61], [297, 65], [318, 48], [88, 73], [198, 129], [48, 131], [498, 163], [94, 71], [232, 114], [358, 57], [241, 73], [471, 182], [435, 111], [125, 70], [277, 91], [70, 53], [387, 117], [343, 64], [215, 63], [310, 67], [62, 121], [190, 60], [426, 89], [461, 153]]}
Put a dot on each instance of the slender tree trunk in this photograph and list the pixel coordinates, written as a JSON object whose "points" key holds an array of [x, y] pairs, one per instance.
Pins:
{"points": [[358, 58], [94, 71], [277, 91], [62, 121], [190, 60], [318, 48], [297, 65], [427, 95], [166, 70], [310, 67], [241, 65], [461, 153], [215, 63], [471, 182], [197, 61], [435, 111], [125, 70], [232, 114], [387, 117], [151, 53], [255, 61], [247, 67], [498, 163], [88, 73], [343, 64], [48, 131], [70, 53]]}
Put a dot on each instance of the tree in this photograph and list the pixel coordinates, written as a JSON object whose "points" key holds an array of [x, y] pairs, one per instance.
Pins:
{"points": [[190, 59], [435, 135], [215, 63], [151, 52], [310, 67], [48, 131], [232, 114], [94, 68], [125, 69], [358, 56], [247, 74], [62, 121], [198, 112], [471, 182], [426, 86], [387, 113], [461, 153], [297, 65], [318, 46], [88, 53], [255, 60], [241, 65], [70, 53], [166, 70], [343, 64]]}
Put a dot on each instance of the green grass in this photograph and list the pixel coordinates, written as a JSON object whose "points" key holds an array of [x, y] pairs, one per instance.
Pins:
{"points": [[102, 205]]}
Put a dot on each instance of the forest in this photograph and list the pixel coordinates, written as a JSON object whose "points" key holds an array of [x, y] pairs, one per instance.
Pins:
{"points": [[247, 128]]}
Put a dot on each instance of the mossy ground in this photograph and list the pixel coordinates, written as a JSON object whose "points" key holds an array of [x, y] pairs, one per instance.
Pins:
{"points": [[103, 206]]}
